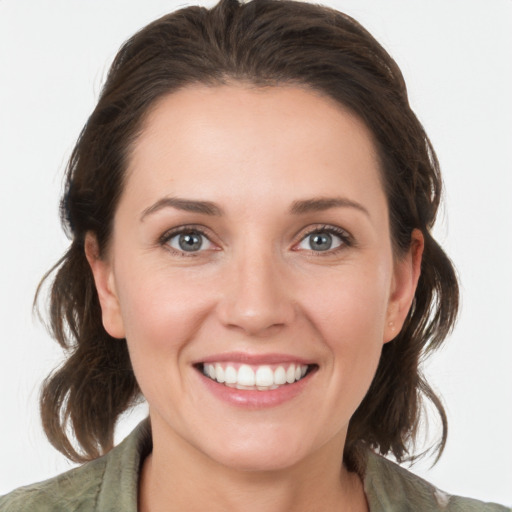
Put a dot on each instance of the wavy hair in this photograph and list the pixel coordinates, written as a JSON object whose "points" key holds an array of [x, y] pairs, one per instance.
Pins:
{"points": [[265, 43]]}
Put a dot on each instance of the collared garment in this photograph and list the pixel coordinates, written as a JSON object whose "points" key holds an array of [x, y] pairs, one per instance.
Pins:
{"points": [[110, 483]]}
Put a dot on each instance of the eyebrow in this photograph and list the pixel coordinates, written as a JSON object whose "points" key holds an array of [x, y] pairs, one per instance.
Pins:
{"points": [[300, 207], [320, 204], [188, 205]]}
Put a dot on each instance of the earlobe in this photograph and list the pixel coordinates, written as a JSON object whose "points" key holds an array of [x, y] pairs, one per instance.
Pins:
{"points": [[105, 286], [405, 280]]}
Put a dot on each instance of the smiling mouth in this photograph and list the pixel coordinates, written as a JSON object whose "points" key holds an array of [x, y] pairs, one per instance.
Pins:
{"points": [[255, 377]]}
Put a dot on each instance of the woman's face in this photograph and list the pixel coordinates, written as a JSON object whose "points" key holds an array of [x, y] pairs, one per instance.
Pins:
{"points": [[251, 243]]}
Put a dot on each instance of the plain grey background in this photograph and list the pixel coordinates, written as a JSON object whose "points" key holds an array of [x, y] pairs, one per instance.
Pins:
{"points": [[457, 60]]}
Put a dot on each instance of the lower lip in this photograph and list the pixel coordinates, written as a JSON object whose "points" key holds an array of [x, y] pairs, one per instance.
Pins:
{"points": [[254, 399]]}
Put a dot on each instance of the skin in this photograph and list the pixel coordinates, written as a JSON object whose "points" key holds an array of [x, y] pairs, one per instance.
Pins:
{"points": [[255, 287]]}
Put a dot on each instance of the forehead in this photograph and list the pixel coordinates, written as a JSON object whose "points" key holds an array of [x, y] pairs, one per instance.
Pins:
{"points": [[231, 141]]}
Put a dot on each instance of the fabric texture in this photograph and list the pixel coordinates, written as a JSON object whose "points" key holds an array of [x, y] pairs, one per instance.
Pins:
{"points": [[109, 484]]}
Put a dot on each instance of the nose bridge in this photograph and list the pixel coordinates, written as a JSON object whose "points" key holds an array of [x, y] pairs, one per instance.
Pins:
{"points": [[257, 297]]}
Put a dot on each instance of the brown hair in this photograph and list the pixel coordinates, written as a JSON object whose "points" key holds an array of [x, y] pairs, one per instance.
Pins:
{"points": [[263, 42]]}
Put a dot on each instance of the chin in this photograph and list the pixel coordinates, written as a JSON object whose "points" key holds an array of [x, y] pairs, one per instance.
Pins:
{"points": [[260, 455]]}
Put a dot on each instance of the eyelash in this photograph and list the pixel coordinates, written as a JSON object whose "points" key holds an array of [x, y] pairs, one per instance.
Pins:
{"points": [[344, 236], [169, 235]]}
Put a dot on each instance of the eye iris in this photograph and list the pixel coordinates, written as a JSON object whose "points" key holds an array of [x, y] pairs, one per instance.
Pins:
{"points": [[190, 242], [320, 241]]}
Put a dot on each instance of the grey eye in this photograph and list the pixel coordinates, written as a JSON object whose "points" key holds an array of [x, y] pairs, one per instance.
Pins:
{"points": [[320, 241], [191, 241]]}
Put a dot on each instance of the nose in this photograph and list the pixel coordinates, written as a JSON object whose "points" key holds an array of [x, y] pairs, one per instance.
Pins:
{"points": [[257, 298]]}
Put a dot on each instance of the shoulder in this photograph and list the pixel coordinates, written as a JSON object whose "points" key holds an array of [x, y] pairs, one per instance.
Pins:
{"points": [[107, 483], [389, 487], [80, 485]]}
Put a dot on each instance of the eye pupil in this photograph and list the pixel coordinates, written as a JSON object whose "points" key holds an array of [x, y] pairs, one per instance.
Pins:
{"points": [[320, 241], [190, 242]]}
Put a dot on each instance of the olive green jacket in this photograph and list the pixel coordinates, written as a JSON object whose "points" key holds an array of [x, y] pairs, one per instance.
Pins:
{"points": [[109, 484]]}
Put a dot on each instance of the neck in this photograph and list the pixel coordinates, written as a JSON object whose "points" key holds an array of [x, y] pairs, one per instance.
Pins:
{"points": [[176, 477]]}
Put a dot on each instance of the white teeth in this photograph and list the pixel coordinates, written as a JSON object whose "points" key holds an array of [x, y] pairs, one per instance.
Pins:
{"points": [[264, 376], [266, 388], [219, 373], [230, 375], [240, 386], [280, 376], [246, 376], [290, 374], [261, 377]]}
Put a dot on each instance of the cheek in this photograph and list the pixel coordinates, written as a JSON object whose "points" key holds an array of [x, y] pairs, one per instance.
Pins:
{"points": [[162, 318], [349, 314], [349, 305], [161, 311], [353, 333]]}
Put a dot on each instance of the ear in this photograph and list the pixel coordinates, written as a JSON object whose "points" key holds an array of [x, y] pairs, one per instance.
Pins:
{"points": [[105, 286], [406, 273]]}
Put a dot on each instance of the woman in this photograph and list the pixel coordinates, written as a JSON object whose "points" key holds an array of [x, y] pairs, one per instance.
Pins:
{"points": [[250, 205]]}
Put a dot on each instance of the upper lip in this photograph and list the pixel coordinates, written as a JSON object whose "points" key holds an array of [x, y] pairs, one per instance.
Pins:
{"points": [[254, 359]]}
